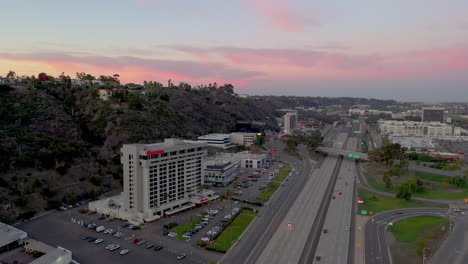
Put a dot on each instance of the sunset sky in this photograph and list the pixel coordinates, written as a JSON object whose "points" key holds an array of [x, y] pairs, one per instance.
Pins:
{"points": [[412, 50]]}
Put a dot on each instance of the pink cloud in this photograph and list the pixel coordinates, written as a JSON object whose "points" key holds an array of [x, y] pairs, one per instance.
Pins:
{"points": [[279, 15], [134, 68], [319, 64]]}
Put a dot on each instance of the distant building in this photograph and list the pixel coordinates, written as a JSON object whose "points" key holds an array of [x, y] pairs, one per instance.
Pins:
{"points": [[448, 157], [98, 82], [34, 252], [368, 112], [246, 139], [418, 144], [422, 129], [221, 170], [432, 114], [158, 179], [250, 127], [217, 140], [249, 160], [105, 94], [290, 122]]}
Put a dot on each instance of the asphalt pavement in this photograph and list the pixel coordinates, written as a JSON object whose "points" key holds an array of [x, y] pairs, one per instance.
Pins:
{"points": [[287, 244], [334, 245], [377, 248]]}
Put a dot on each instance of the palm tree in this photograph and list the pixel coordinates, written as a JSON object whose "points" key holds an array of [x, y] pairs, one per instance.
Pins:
{"points": [[11, 75]]}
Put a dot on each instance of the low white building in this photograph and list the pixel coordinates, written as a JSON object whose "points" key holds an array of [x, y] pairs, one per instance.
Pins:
{"points": [[12, 238], [421, 129], [217, 140], [246, 139], [361, 112], [105, 94], [249, 160], [221, 170]]}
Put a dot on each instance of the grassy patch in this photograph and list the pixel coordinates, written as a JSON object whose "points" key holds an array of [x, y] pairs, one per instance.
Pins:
{"points": [[270, 190], [416, 233], [232, 232], [283, 173], [441, 194], [411, 229], [430, 176], [181, 229], [373, 173], [376, 203]]}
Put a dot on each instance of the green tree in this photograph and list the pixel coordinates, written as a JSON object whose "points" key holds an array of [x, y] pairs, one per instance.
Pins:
{"points": [[70, 198], [403, 192], [387, 180], [458, 181]]}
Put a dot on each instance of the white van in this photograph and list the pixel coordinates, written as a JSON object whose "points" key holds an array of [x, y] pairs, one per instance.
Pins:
{"points": [[100, 228]]}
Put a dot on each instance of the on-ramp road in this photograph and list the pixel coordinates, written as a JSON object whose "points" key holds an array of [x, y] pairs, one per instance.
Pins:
{"points": [[376, 246]]}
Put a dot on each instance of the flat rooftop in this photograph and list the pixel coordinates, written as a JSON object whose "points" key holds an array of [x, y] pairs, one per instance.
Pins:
{"points": [[214, 136], [9, 234]]}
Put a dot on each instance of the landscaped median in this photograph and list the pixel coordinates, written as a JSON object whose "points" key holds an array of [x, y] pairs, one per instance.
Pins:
{"points": [[416, 233], [270, 190], [283, 173], [181, 229], [434, 186], [374, 203], [233, 231]]}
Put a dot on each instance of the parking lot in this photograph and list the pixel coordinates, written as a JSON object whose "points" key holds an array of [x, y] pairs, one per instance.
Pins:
{"points": [[65, 228], [58, 229], [249, 188]]}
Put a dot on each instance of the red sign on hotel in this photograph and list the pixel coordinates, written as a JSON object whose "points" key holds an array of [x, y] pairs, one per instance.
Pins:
{"points": [[155, 152], [204, 200], [273, 149]]}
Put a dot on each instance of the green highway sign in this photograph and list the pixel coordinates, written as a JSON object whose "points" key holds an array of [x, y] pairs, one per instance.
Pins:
{"points": [[353, 156], [364, 212], [357, 131]]}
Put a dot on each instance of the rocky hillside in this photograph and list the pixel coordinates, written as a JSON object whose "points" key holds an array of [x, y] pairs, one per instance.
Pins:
{"points": [[57, 143]]}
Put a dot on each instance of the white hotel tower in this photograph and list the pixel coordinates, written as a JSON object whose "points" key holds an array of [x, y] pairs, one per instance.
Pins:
{"points": [[159, 179]]}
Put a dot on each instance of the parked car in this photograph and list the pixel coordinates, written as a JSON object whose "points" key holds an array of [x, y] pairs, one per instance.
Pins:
{"points": [[114, 247], [100, 228], [84, 237], [123, 252], [136, 240], [98, 241], [157, 248], [205, 239], [141, 242], [181, 256], [109, 246], [150, 246], [102, 217]]}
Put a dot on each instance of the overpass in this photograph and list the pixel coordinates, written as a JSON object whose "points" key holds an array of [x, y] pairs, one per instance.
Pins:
{"points": [[345, 153]]}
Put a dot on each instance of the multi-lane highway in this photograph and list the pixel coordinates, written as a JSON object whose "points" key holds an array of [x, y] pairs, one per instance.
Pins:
{"points": [[335, 245], [287, 243], [377, 249], [274, 218], [260, 231]]}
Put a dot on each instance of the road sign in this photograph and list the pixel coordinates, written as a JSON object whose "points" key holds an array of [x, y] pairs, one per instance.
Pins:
{"points": [[364, 212], [466, 200], [359, 244], [360, 201]]}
